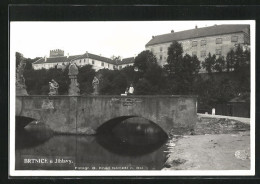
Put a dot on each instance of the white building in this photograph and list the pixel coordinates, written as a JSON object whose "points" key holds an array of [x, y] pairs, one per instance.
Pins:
{"points": [[217, 39], [58, 59]]}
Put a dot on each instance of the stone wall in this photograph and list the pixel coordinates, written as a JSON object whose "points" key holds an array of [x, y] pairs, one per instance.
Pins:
{"points": [[78, 114]]}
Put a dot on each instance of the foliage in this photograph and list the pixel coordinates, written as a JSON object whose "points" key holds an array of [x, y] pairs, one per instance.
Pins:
{"points": [[144, 87], [209, 62], [143, 60], [18, 57], [182, 70], [85, 78], [112, 82], [219, 65], [174, 59], [37, 81], [230, 60]]}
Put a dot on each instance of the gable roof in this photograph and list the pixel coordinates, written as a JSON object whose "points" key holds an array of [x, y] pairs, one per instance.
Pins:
{"points": [[58, 59], [95, 57], [127, 61], [198, 32]]}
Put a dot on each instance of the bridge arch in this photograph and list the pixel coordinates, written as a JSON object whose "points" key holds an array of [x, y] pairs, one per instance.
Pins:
{"points": [[22, 121], [107, 126], [126, 135]]}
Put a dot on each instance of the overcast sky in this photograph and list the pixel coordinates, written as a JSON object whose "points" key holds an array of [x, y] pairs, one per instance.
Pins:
{"points": [[125, 39]]}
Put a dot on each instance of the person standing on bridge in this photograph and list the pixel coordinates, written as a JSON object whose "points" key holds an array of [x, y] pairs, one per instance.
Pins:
{"points": [[131, 90]]}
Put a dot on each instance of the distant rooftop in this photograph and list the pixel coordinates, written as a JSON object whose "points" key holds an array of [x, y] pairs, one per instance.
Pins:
{"points": [[127, 60], [198, 32], [61, 59]]}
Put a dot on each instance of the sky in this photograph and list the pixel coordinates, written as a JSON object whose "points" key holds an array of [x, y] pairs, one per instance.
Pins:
{"points": [[106, 38]]}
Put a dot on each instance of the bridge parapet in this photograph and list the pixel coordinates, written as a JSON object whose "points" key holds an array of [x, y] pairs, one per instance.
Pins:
{"points": [[78, 114]]}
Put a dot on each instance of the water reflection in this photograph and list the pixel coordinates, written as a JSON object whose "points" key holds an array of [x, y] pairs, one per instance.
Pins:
{"points": [[33, 134], [133, 136], [129, 144]]}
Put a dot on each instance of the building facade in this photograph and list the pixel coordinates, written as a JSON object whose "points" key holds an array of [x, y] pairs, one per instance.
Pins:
{"points": [[218, 40], [57, 59]]}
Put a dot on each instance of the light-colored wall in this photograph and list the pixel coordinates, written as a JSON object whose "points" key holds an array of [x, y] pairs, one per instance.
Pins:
{"points": [[125, 65], [44, 65], [79, 62], [211, 46]]}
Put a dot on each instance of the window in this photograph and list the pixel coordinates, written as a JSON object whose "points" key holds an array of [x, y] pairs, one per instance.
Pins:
{"points": [[194, 53], [120, 67], [160, 57], [203, 42], [161, 49], [218, 51], [152, 49], [102, 64], [203, 53], [108, 65], [93, 62], [218, 40], [234, 38], [194, 44]]}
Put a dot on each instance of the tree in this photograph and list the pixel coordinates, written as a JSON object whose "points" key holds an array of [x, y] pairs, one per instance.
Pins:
{"points": [[113, 82], [143, 87], [209, 62], [130, 74], [182, 70], [219, 65], [174, 59], [143, 60], [85, 78], [242, 68], [230, 60], [18, 57]]}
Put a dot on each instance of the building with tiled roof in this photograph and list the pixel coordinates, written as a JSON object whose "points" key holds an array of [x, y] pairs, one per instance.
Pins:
{"points": [[126, 62], [58, 59], [218, 39]]}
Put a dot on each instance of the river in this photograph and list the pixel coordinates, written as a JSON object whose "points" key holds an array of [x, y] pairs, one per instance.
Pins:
{"points": [[129, 146]]}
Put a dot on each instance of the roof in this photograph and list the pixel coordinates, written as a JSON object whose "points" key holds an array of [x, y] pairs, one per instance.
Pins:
{"points": [[60, 59], [198, 32], [96, 57], [51, 60], [101, 58], [127, 61]]}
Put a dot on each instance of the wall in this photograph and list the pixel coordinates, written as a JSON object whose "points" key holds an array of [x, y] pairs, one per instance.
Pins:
{"points": [[68, 114], [124, 65], [211, 46]]}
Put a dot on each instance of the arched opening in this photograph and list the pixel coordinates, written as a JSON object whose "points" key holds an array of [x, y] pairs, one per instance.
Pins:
{"points": [[22, 121], [29, 132], [131, 135]]}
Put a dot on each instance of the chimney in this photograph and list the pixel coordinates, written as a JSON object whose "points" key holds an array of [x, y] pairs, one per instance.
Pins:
{"points": [[87, 53], [68, 55], [152, 36], [196, 27], [172, 31], [45, 58]]}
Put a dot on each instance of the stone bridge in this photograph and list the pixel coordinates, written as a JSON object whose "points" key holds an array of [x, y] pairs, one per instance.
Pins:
{"points": [[78, 114]]}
